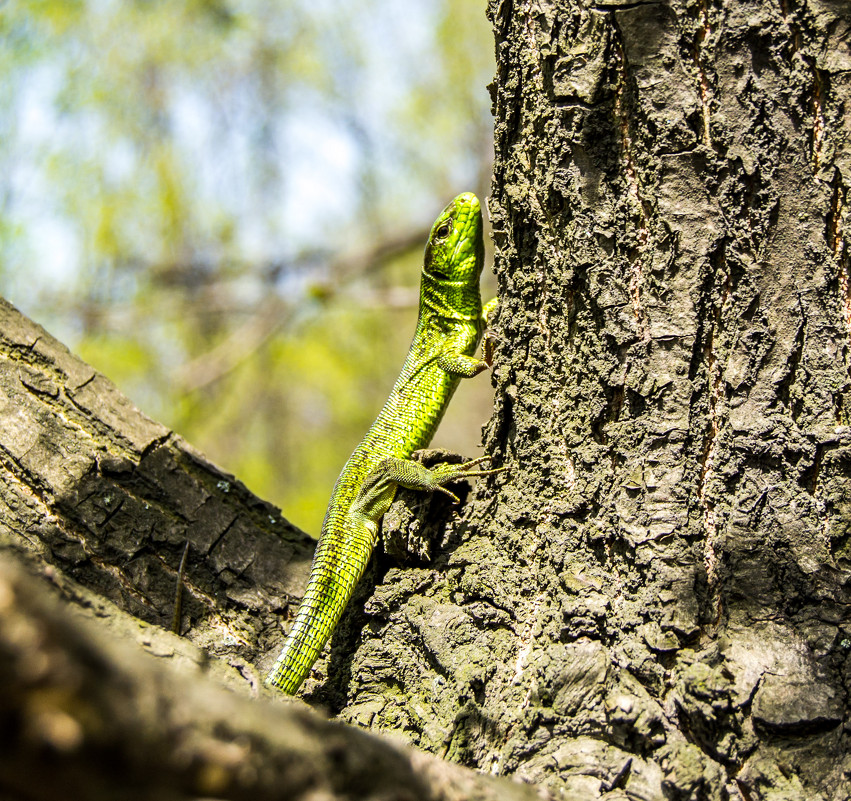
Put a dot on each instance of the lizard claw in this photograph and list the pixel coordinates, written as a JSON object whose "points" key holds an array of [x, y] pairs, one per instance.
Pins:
{"points": [[488, 340]]}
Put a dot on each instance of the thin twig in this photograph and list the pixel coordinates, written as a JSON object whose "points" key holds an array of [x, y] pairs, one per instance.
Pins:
{"points": [[178, 591]]}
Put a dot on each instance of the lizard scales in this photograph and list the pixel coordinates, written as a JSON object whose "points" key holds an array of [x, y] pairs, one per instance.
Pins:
{"points": [[449, 327]]}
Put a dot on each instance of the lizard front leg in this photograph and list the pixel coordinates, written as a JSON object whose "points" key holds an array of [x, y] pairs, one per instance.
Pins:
{"points": [[379, 488]]}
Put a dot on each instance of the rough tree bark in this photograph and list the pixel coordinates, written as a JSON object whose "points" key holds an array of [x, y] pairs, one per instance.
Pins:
{"points": [[654, 603], [111, 498]]}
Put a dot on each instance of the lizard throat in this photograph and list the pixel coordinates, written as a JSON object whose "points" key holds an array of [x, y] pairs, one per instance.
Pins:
{"points": [[457, 300]]}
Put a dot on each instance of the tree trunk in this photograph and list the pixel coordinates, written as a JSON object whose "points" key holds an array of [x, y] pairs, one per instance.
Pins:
{"points": [[654, 603]]}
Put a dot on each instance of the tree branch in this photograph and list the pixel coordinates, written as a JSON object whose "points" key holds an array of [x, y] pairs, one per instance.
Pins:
{"points": [[85, 715]]}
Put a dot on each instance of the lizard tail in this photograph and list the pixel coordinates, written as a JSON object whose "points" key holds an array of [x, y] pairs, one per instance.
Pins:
{"points": [[329, 588]]}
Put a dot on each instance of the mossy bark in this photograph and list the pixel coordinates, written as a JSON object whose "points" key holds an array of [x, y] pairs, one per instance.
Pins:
{"points": [[654, 603]]}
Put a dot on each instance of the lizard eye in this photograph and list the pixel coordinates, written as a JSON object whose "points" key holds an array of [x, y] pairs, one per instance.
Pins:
{"points": [[444, 229]]}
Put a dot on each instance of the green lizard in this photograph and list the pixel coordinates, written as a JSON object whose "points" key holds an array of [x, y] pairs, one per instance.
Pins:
{"points": [[450, 325]]}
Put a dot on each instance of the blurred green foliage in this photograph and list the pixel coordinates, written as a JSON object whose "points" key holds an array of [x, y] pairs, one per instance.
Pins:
{"points": [[222, 204]]}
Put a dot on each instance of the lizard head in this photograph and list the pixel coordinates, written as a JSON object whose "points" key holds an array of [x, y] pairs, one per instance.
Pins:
{"points": [[455, 249]]}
